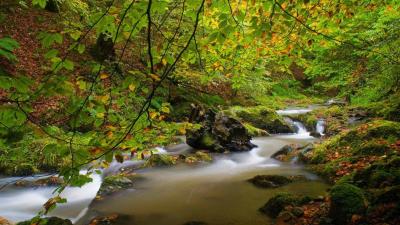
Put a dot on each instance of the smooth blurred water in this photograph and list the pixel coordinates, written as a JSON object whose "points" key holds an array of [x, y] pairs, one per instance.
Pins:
{"points": [[216, 193]]}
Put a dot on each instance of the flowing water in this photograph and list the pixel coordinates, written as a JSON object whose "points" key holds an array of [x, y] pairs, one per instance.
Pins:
{"points": [[216, 193]]}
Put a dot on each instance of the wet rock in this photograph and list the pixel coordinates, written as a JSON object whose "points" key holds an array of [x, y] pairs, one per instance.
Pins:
{"points": [[159, 160], [261, 117], [4, 221], [315, 134], [276, 204], [346, 200], [47, 221], [112, 219], [274, 181], [269, 181], [219, 133], [44, 182], [115, 183], [285, 150]]}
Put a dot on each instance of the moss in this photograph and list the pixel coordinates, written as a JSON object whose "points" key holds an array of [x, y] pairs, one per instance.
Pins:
{"points": [[346, 200], [269, 181], [254, 131], [203, 156], [380, 174], [278, 203], [208, 140], [373, 138], [159, 160], [260, 117]]}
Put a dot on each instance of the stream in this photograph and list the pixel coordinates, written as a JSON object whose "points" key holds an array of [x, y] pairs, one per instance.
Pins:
{"points": [[216, 193]]}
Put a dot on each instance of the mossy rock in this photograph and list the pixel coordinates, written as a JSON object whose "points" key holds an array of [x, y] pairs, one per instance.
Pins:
{"points": [[254, 131], [219, 133], [346, 200], [278, 203], [284, 151], [261, 117], [269, 181], [159, 160], [115, 183], [47, 221], [203, 156]]}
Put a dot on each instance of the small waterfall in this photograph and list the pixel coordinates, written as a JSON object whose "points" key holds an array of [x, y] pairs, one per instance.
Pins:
{"points": [[300, 128], [320, 127]]}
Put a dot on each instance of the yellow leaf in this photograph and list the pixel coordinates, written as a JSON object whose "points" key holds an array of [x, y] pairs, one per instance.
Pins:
{"points": [[153, 115], [100, 115], [155, 77], [182, 130], [104, 98], [164, 62], [104, 76], [132, 87]]}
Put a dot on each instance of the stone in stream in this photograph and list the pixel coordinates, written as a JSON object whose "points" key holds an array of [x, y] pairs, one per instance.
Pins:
{"points": [[219, 133], [261, 117], [274, 181], [285, 150], [112, 219], [114, 183], [315, 134], [44, 182]]}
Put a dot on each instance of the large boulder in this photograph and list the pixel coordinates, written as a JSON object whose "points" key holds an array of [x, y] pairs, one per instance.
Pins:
{"points": [[346, 200], [219, 133], [261, 117]]}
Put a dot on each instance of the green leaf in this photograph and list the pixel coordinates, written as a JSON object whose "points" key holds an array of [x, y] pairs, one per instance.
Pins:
{"points": [[50, 54], [69, 65], [11, 117], [40, 3], [48, 39], [81, 48]]}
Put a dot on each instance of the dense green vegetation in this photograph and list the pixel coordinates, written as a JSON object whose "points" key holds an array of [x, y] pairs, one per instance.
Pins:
{"points": [[85, 82]]}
